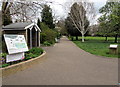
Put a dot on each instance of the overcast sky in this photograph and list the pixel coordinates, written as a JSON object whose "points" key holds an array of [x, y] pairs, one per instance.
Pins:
{"points": [[60, 11], [59, 7]]}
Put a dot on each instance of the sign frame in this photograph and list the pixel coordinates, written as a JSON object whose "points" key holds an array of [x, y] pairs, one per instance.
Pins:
{"points": [[15, 43]]}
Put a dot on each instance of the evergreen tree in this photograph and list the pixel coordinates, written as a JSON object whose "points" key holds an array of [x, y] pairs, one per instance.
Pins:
{"points": [[71, 29], [47, 17]]}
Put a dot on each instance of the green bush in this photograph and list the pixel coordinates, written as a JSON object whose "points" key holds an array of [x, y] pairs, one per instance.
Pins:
{"points": [[32, 53], [43, 26], [58, 34], [36, 50], [47, 43], [51, 35], [47, 34], [4, 65], [42, 37], [3, 57]]}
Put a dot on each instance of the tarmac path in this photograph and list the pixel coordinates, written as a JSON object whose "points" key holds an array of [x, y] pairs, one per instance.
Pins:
{"points": [[66, 64]]}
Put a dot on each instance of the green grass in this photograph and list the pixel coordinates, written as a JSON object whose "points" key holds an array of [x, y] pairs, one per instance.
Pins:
{"points": [[97, 46]]}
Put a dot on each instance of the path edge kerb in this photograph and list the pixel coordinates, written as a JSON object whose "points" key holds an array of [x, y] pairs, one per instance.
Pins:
{"points": [[22, 65]]}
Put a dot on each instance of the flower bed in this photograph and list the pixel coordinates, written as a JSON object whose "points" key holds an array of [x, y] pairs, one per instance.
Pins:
{"points": [[6, 71], [32, 53]]}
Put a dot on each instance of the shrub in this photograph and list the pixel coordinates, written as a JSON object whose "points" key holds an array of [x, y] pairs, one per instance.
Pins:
{"points": [[42, 37], [32, 53], [36, 50], [58, 34], [44, 26], [47, 43], [4, 65], [3, 57], [48, 35]]}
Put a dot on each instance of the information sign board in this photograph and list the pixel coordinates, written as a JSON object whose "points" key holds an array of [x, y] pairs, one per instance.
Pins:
{"points": [[14, 57], [15, 43]]}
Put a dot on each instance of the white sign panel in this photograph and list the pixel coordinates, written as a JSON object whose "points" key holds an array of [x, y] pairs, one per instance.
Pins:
{"points": [[14, 57], [15, 43], [113, 46]]}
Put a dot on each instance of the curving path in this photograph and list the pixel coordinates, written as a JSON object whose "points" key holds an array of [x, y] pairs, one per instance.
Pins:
{"points": [[66, 64]]}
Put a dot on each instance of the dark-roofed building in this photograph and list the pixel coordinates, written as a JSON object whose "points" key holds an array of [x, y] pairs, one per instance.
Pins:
{"points": [[30, 30], [17, 26]]}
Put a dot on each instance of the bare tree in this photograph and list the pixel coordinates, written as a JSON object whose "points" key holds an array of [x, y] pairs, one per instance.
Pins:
{"points": [[6, 17], [25, 11], [22, 10], [5, 6], [81, 14]]}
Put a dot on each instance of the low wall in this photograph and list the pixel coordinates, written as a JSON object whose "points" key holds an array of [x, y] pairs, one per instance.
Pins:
{"points": [[21, 66]]}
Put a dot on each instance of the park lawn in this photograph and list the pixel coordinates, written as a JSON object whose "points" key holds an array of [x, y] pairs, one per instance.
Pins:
{"points": [[96, 46]]}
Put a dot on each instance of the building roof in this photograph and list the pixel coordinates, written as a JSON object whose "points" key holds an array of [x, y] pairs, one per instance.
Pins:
{"points": [[20, 26], [16, 26]]}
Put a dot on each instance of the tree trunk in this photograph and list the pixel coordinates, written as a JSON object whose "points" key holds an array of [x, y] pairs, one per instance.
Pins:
{"points": [[116, 38], [76, 37], [83, 38], [105, 38]]}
